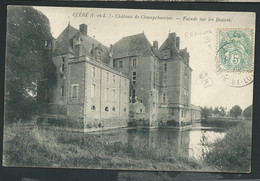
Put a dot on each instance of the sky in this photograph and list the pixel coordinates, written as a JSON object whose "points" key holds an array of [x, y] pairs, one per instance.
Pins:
{"points": [[197, 32]]}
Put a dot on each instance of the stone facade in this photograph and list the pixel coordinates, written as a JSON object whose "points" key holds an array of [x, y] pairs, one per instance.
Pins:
{"points": [[132, 79]]}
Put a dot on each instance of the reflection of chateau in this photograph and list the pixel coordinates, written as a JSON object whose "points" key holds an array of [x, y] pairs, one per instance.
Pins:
{"points": [[96, 83]]}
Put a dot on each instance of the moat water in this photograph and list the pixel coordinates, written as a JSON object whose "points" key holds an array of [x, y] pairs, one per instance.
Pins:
{"points": [[193, 143]]}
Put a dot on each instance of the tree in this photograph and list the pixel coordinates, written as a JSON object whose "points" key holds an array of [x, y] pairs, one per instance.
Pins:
{"points": [[222, 111], [27, 60], [235, 111], [216, 111], [247, 113], [205, 112]]}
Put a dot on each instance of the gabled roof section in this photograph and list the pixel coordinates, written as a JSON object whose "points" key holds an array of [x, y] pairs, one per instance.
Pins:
{"points": [[62, 42], [170, 43], [132, 46]]}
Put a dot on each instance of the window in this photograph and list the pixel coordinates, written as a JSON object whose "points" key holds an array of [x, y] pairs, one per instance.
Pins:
{"points": [[134, 78], [124, 109], [141, 101], [98, 55], [165, 67], [107, 94], [62, 91], [93, 90], [106, 109], [114, 94], [166, 54], [133, 96], [134, 62], [114, 109], [164, 98], [121, 64], [93, 71], [114, 78], [78, 41], [141, 110], [182, 113], [107, 76], [125, 97], [93, 108], [63, 64], [74, 90]]}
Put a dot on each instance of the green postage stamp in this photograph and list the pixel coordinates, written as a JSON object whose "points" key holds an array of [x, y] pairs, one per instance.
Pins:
{"points": [[235, 50]]}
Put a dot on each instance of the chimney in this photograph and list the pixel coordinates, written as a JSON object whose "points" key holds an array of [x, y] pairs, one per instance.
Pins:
{"points": [[155, 44], [173, 38], [178, 42], [83, 28]]}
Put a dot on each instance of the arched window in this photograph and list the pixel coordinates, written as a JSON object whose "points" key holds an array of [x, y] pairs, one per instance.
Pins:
{"points": [[106, 109], [114, 109]]}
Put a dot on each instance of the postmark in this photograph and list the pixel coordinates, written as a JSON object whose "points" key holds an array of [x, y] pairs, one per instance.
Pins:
{"points": [[235, 56]]}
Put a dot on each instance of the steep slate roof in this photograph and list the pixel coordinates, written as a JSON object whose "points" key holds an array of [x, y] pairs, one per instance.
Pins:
{"points": [[131, 46], [62, 42]]}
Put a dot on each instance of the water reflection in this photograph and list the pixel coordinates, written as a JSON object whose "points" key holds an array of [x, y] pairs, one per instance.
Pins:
{"points": [[190, 143]]}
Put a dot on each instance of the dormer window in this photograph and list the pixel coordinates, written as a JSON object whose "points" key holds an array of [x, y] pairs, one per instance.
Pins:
{"points": [[134, 62], [78, 41], [99, 55], [166, 54]]}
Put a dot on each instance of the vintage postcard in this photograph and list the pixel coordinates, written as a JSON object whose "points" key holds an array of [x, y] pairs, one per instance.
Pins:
{"points": [[129, 89]]}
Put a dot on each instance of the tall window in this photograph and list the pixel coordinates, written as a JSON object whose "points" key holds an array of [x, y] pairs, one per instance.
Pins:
{"points": [[114, 94], [93, 90], [121, 64], [107, 75], [133, 96], [114, 79], [107, 94], [125, 97], [74, 90], [165, 67], [93, 71], [134, 78], [62, 91], [134, 62], [63, 64], [164, 98]]}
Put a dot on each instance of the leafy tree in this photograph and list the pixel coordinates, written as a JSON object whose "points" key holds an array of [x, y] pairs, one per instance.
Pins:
{"points": [[216, 111], [205, 113], [235, 111], [27, 61], [222, 111], [247, 113]]}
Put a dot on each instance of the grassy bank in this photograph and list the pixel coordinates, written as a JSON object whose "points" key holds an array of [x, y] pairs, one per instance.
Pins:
{"points": [[51, 148], [233, 153]]}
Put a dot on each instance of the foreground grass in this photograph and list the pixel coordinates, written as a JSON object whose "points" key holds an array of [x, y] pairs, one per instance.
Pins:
{"points": [[36, 147], [41, 147], [233, 153]]}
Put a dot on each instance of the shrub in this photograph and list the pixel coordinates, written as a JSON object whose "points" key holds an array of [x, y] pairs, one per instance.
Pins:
{"points": [[232, 153], [172, 123]]}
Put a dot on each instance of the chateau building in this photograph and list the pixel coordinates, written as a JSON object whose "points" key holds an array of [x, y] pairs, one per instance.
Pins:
{"points": [[131, 79]]}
